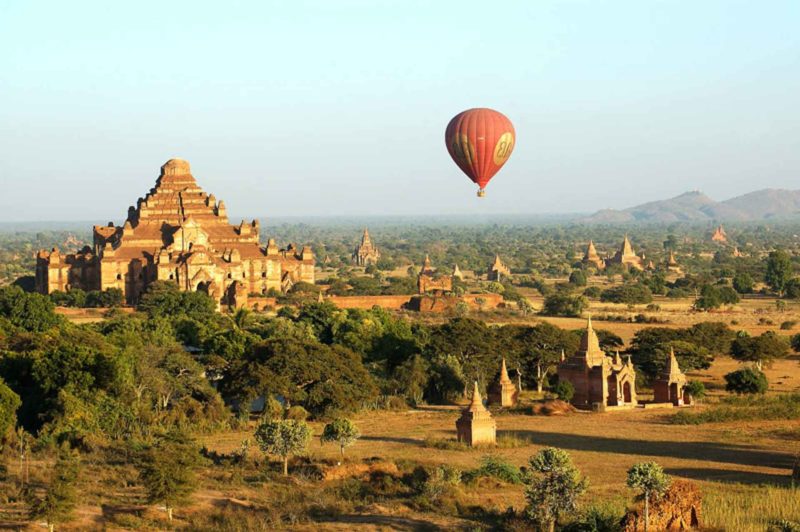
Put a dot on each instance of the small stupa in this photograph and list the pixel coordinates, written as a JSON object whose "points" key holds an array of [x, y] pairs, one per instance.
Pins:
{"points": [[476, 426], [503, 392], [670, 383], [457, 273]]}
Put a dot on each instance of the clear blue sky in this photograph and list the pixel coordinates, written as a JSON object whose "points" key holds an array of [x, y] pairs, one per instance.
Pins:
{"points": [[339, 106]]}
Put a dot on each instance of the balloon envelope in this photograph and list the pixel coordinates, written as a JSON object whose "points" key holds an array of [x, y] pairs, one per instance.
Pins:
{"points": [[480, 141]]}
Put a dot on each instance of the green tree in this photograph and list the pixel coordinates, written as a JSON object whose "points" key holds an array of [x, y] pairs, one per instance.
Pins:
{"points": [[629, 294], [746, 381], [283, 438], [9, 403], [779, 271], [168, 470], [651, 481], [552, 487], [578, 278], [60, 496], [743, 283], [320, 377], [563, 305], [761, 350], [411, 378], [341, 431], [32, 312]]}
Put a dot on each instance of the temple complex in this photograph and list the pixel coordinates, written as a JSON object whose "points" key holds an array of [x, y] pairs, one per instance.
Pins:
{"points": [[719, 235], [476, 426], [366, 253], [670, 384], [503, 392], [430, 280], [591, 258], [626, 257], [179, 234], [599, 380], [497, 270]]}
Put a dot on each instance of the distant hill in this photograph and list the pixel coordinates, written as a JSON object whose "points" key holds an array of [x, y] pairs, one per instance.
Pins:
{"points": [[695, 206]]}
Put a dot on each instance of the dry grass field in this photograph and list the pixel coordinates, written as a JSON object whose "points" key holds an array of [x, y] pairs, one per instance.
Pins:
{"points": [[743, 468]]}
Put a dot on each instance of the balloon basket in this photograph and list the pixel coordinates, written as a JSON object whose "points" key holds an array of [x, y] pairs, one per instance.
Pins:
{"points": [[481, 193]]}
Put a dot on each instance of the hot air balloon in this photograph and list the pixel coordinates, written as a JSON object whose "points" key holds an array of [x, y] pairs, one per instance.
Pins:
{"points": [[480, 142]]}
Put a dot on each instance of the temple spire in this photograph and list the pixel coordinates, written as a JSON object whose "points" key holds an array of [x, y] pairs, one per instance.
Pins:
{"points": [[476, 404], [504, 378]]}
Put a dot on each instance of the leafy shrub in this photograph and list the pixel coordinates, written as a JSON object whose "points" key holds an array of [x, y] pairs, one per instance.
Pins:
{"points": [[297, 413], [696, 389], [746, 381], [593, 292], [788, 325], [630, 294], [564, 390], [563, 305], [496, 467]]}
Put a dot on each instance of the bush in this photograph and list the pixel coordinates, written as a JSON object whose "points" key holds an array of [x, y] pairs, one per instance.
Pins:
{"points": [[496, 467], [696, 389], [593, 292], [788, 325], [746, 381], [297, 413], [630, 294], [563, 305], [564, 390], [578, 278]]}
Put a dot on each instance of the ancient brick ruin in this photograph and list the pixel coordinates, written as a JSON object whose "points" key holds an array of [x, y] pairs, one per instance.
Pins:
{"points": [[431, 281], [179, 234]]}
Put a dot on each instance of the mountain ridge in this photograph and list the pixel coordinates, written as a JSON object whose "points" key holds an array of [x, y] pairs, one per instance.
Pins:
{"points": [[695, 206]]}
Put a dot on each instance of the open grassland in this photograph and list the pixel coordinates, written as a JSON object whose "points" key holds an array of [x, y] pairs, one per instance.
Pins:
{"points": [[732, 462]]}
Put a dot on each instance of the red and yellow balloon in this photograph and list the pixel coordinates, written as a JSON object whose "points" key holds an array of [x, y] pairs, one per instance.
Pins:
{"points": [[480, 141]]}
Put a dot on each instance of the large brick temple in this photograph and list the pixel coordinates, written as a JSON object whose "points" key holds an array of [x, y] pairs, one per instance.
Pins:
{"points": [[180, 234]]}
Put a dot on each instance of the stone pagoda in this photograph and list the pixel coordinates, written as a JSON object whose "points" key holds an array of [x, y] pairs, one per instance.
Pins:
{"points": [[626, 257], [366, 253], [476, 426], [672, 264], [670, 384], [719, 235], [180, 235], [457, 273], [591, 257], [497, 270], [503, 392], [598, 379]]}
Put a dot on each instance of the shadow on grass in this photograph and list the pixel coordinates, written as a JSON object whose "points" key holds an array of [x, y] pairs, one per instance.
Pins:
{"points": [[389, 439], [730, 476], [394, 522], [692, 450]]}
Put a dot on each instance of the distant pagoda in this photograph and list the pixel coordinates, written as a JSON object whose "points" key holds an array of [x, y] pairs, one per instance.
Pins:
{"points": [[366, 253], [720, 235], [592, 258], [498, 270]]}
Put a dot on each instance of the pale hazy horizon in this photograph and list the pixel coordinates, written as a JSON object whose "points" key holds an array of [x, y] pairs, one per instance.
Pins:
{"points": [[338, 108]]}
